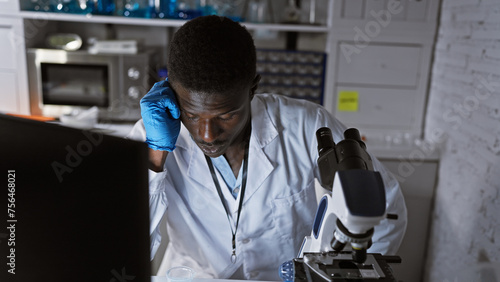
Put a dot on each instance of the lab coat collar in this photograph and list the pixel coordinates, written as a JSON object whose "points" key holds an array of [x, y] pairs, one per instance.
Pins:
{"points": [[263, 130], [259, 166]]}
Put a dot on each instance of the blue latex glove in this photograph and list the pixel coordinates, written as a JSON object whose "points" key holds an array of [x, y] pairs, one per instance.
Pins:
{"points": [[160, 113]]}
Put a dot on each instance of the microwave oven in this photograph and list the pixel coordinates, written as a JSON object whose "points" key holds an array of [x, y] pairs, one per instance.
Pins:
{"points": [[62, 82]]}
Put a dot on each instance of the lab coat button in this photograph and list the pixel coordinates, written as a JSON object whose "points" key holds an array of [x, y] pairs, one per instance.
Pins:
{"points": [[245, 241]]}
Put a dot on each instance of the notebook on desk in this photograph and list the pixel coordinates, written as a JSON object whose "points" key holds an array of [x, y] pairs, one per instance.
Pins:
{"points": [[74, 204]]}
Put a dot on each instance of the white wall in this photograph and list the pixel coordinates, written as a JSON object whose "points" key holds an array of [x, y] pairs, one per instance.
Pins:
{"points": [[464, 116]]}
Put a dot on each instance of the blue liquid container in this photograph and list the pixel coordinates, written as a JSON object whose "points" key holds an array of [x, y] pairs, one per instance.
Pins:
{"points": [[189, 14], [209, 10], [287, 271], [138, 8], [105, 7], [166, 10], [188, 9], [72, 6]]}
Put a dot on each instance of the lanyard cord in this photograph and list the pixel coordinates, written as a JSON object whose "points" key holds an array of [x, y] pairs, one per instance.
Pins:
{"points": [[219, 191]]}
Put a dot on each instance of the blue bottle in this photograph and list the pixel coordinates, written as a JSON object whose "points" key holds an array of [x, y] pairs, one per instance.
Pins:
{"points": [[105, 7], [166, 9], [287, 271], [189, 9], [138, 8], [72, 6]]}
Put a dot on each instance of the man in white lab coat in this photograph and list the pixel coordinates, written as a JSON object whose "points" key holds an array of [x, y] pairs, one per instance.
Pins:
{"points": [[234, 172]]}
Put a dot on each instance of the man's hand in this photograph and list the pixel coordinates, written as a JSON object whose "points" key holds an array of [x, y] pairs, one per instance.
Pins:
{"points": [[160, 113]]}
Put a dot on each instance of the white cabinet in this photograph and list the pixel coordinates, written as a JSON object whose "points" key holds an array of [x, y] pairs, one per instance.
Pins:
{"points": [[10, 102], [381, 51], [9, 6], [381, 65], [388, 109], [13, 78], [8, 31]]}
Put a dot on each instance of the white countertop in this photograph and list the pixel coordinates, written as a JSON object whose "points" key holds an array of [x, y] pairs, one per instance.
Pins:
{"points": [[409, 150], [164, 279], [404, 152], [115, 129]]}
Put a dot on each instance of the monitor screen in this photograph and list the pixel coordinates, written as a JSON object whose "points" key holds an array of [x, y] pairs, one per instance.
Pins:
{"points": [[74, 204]]}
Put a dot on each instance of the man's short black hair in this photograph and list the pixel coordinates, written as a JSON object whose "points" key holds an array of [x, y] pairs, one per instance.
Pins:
{"points": [[211, 54]]}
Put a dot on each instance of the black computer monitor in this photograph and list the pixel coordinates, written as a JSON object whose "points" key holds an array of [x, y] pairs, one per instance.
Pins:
{"points": [[73, 204]]}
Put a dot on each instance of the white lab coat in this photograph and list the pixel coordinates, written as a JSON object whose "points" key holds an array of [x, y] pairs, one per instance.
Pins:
{"points": [[279, 203]]}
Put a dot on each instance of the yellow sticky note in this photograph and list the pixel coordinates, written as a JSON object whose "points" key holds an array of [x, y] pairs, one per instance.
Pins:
{"points": [[348, 101]]}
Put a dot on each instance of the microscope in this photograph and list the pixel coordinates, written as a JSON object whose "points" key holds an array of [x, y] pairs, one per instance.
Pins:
{"points": [[345, 219]]}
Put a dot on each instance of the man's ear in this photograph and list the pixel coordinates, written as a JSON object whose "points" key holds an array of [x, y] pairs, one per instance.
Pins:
{"points": [[255, 85]]}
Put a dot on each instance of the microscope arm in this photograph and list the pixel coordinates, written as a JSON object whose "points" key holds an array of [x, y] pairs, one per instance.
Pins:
{"points": [[347, 215]]}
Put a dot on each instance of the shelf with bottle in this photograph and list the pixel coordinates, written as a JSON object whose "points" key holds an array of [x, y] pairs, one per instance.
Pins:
{"points": [[162, 22], [136, 12]]}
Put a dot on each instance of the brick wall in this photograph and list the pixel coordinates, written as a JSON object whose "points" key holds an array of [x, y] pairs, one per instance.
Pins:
{"points": [[463, 116]]}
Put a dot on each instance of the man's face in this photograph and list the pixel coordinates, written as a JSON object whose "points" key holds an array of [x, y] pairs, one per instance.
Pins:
{"points": [[215, 121]]}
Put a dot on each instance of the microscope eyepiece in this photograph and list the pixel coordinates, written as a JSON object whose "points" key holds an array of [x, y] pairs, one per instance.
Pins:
{"points": [[353, 134], [325, 139]]}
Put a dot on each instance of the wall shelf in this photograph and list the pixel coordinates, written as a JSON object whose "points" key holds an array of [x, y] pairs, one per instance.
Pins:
{"points": [[89, 18]]}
